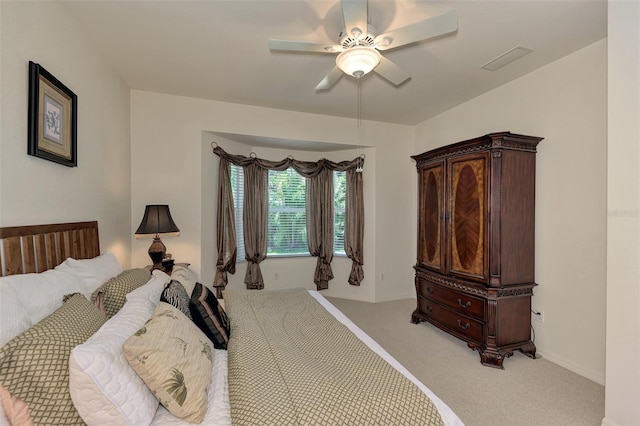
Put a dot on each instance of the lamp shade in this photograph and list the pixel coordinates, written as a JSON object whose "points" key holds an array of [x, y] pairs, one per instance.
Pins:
{"points": [[358, 60], [157, 220]]}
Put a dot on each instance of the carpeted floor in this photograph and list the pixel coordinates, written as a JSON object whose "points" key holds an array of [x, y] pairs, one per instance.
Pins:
{"points": [[527, 392]]}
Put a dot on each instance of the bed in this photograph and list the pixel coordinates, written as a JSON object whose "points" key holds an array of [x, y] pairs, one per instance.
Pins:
{"points": [[292, 358]]}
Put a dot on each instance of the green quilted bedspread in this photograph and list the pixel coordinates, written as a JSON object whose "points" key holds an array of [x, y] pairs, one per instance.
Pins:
{"points": [[292, 363]]}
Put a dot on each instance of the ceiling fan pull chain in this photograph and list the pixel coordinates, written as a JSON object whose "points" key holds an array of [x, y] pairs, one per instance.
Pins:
{"points": [[359, 168], [359, 107]]}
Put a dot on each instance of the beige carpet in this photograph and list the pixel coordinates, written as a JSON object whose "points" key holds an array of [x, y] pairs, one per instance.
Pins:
{"points": [[526, 392]]}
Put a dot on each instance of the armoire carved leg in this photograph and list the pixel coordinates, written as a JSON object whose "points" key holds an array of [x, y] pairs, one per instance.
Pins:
{"points": [[491, 357], [529, 350], [415, 317]]}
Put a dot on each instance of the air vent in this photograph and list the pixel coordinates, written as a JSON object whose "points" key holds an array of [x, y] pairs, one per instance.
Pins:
{"points": [[506, 58]]}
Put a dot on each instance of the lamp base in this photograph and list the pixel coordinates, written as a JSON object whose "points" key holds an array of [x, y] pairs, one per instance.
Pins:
{"points": [[157, 251]]}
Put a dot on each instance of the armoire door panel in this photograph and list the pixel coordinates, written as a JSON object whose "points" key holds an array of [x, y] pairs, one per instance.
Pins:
{"points": [[468, 217], [431, 230]]}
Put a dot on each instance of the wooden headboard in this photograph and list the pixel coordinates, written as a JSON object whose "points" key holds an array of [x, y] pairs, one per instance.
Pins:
{"points": [[36, 248]]}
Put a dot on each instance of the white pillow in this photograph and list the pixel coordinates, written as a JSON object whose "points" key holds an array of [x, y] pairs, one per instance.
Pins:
{"points": [[41, 293], [14, 319], [103, 386], [185, 277], [92, 272]]}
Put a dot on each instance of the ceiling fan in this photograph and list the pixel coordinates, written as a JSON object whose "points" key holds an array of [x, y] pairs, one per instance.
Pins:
{"points": [[359, 48]]}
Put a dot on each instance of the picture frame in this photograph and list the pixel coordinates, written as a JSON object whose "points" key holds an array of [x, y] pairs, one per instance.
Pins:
{"points": [[53, 118]]}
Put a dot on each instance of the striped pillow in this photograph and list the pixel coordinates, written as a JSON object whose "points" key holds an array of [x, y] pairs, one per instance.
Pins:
{"points": [[175, 294], [209, 316]]}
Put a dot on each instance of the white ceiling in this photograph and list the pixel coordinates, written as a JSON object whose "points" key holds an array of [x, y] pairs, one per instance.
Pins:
{"points": [[218, 50]]}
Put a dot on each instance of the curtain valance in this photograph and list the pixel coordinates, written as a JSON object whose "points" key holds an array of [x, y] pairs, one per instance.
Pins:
{"points": [[306, 169]]}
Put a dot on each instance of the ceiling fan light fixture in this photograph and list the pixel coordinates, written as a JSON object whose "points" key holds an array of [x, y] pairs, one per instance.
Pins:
{"points": [[358, 60]]}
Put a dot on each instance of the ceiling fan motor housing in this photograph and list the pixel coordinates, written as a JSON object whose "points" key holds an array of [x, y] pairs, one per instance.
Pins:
{"points": [[358, 60]]}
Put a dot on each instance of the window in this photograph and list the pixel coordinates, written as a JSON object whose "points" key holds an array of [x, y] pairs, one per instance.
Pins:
{"points": [[339, 197], [237, 188], [287, 226], [287, 234]]}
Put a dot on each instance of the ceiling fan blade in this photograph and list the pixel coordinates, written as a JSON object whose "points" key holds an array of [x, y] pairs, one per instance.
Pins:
{"points": [[355, 16], [330, 79], [391, 72], [303, 46], [429, 28]]}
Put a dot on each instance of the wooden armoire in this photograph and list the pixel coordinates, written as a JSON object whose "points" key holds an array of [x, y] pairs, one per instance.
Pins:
{"points": [[475, 259]]}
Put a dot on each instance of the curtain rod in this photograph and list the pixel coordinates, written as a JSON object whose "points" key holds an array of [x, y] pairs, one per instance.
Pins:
{"points": [[252, 154]]}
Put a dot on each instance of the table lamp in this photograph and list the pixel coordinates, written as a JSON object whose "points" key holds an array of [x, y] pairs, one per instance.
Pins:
{"points": [[157, 220]]}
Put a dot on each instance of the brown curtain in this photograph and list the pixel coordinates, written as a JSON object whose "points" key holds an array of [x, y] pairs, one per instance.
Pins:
{"points": [[256, 209], [319, 229], [226, 238], [354, 225], [319, 207]]}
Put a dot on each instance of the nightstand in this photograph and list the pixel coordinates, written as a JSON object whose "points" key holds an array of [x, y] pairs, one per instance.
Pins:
{"points": [[168, 265]]}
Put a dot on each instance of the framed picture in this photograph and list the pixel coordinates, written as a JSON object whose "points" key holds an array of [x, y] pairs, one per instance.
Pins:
{"points": [[53, 113]]}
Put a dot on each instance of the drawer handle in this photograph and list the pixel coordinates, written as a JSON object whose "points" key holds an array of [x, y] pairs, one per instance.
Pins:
{"points": [[429, 290], [429, 308], [465, 326], [466, 305]]}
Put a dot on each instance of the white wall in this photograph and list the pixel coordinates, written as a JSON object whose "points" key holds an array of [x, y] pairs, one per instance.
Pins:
{"points": [[566, 103], [172, 163], [33, 190], [622, 391]]}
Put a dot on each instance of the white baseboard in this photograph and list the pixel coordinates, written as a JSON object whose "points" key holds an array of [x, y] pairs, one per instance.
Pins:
{"points": [[572, 366], [412, 295]]}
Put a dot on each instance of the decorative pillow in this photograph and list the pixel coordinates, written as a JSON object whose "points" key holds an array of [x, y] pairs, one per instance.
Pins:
{"points": [[14, 319], [174, 359], [185, 276], [209, 316], [41, 293], [16, 412], [103, 386], [114, 291], [34, 366], [175, 295], [93, 272], [150, 292]]}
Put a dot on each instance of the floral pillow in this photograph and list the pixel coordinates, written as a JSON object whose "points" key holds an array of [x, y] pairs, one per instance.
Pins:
{"points": [[174, 358]]}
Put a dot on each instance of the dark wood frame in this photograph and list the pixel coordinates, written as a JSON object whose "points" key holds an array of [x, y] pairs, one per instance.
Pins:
{"points": [[37, 248], [39, 80]]}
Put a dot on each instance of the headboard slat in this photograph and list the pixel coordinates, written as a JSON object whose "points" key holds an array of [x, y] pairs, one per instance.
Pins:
{"points": [[75, 242], [29, 254], [60, 250], [13, 255], [41, 253], [52, 260], [37, 248]]}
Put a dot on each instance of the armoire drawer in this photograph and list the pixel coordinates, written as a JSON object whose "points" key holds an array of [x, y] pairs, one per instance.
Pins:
{"points": [[463, 326], [457, 301]]}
